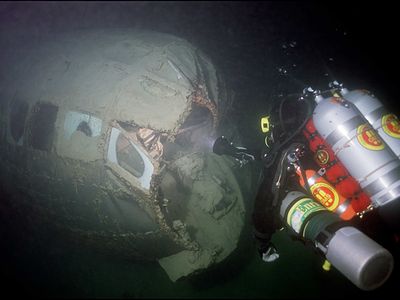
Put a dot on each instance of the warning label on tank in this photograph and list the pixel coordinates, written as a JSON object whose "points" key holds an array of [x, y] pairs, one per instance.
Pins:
{"points": [[300, 211], [326, 195], [322, 157], [391, 125], [368, 138]]}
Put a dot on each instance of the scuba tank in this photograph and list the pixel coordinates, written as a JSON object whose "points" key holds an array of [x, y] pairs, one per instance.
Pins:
{"points": [[385, 123], [335, 173], [359, 148], [364, 262], [323, 154], [326, 194], [324, 224], [387, 126]]}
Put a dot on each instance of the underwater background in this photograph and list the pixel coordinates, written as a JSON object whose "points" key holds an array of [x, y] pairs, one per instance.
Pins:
{"points": [[264, 50]]}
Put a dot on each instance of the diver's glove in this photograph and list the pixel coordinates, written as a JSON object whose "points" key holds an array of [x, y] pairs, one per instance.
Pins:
{"points": [[268, 253]]}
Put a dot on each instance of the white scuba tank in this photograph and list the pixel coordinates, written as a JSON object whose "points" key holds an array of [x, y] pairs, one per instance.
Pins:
{"points": [[384, 122], [358, 146]]}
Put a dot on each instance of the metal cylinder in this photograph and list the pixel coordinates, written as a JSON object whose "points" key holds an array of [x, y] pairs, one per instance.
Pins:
{"points": [[296, 210], [364, 262], [357, 145], [384, 122]]}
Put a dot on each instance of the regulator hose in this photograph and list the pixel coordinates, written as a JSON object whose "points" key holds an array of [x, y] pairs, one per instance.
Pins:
{"points": [[270, 156]]}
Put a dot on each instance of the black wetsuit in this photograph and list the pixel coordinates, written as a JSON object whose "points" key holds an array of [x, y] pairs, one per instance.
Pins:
{"points": [[265, 214]]}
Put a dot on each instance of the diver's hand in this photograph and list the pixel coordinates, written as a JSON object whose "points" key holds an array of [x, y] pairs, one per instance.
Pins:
{"points": [[269, 253]]}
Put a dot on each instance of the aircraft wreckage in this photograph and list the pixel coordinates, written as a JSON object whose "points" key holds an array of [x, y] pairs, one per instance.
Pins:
{"points": [[106, 132]]}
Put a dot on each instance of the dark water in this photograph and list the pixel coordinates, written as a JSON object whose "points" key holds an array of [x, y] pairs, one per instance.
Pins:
{"points": [[264, 49]]}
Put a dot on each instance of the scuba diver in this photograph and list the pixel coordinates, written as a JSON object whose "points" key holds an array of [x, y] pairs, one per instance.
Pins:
{"points": [[265, 215], [330, 166]]}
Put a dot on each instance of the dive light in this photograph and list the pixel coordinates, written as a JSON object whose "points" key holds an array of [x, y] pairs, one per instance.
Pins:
{"points": [[222, 146]]}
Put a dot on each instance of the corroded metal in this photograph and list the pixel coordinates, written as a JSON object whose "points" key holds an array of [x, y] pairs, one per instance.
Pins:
{"points": [[200, 98], [140, 86]]}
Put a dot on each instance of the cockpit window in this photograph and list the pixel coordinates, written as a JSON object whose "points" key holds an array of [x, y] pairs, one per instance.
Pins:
{"points": [[42, 126], [126, 152], [82, 122], [196, 129], [199, 116], [18, 114], [128, 157]]}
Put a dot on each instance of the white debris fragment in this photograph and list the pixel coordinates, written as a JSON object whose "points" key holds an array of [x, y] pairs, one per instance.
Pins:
{"points": [[179, 76]]}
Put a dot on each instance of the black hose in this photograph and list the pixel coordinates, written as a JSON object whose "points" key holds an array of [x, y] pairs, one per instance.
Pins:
{"points": [[275, 149], [280, 115]]}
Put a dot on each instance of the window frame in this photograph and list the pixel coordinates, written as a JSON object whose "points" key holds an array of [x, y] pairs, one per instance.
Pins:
{"points": [[143, 182], [31, 122]]}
